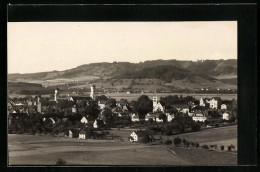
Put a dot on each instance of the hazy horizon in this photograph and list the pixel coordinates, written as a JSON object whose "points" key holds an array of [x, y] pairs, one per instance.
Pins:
{"points": [[47, 46]]}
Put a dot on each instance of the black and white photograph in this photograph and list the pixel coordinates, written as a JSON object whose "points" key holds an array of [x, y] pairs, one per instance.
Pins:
{"points": [[122, 93]]}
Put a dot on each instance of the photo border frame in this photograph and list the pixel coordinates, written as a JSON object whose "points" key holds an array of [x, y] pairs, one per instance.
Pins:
{"points": [[244, 14]]}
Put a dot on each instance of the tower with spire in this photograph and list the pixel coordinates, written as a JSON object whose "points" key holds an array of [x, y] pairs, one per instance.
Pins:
{"points": [[39, 104], [92, 91], [155, 100], [56, 94]]}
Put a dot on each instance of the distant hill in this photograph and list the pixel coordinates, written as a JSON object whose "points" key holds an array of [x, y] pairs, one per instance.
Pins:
{"points": [[207, 67], [215, 73]]}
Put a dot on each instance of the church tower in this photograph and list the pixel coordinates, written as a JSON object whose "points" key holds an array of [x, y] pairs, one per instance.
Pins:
{"points": [[155, 101], [56, 94], [92, 92], [39, 104]]}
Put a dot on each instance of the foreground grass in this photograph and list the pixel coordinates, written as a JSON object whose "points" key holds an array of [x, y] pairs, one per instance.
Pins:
{"points": [[140, 156], [45, 150], [211, 135], [206, 157]]}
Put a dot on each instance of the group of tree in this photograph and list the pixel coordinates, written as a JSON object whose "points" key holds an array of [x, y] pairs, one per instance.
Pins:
{"points": [[179, 124], [32, 123], [143, 106], [172, 100]]}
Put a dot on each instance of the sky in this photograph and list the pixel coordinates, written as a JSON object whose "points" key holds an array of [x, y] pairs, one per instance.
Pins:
{"points": [[47, 46]]}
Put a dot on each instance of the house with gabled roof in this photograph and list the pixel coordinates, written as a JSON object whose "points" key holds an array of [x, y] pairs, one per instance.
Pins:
{"points": [[154, 116], [158, 106], [204, 102], [226, 115], [170, 117], [223, 106], [134, 117], [82, 135], [84, 120], [138, 135], [101, 104], [199, 116], [184, 108], [78, 99]]}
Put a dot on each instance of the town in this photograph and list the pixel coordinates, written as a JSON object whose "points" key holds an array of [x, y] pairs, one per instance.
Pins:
{"points": [[91, 117]]}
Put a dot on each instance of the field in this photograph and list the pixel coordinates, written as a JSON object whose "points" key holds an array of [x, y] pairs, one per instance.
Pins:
{"points": [[220, 136], [45, 150], [131, 97]]}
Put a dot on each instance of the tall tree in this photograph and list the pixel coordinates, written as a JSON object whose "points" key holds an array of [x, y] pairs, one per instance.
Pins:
{"points": [[143, 106], [101, 98], [91, 110], [111, 103]]}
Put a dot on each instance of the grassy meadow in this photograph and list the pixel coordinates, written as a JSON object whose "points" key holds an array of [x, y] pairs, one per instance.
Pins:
{"points": [[45, 150]]}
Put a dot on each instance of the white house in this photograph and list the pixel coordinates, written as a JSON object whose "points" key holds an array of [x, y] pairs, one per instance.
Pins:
{"points": [[191, 114], [70, 134], [82, 135], [74, 109], [223, 106], [198, 116], [214, 103], [170, 117], [95, 124], [157, 106], [158, 120], [182, 108], [136, 136], [154, 116], [119, 114], [148, 116], [204, 101], [134, 117], [84, 120], [225, 116], [101, 105], [125, 108]]}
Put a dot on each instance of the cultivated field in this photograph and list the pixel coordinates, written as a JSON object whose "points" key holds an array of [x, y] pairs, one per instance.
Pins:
{"points": [[131, 97], [220, 136], [45, 150]]}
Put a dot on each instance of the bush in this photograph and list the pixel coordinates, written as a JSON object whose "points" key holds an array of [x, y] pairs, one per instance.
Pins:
{"points": [[61, 162], [232, 146], [229, 148], [130, 138], [192, 144], [177, 141], [168, 142], [146, 139], [212, 146], [195, 127], [184, 141], [150, 121], [168, 132], [205, 147], [197, 145], [222, 147]]}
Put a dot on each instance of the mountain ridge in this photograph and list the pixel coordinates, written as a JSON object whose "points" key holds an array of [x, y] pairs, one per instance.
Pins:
{"points": [[177, 69]]}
